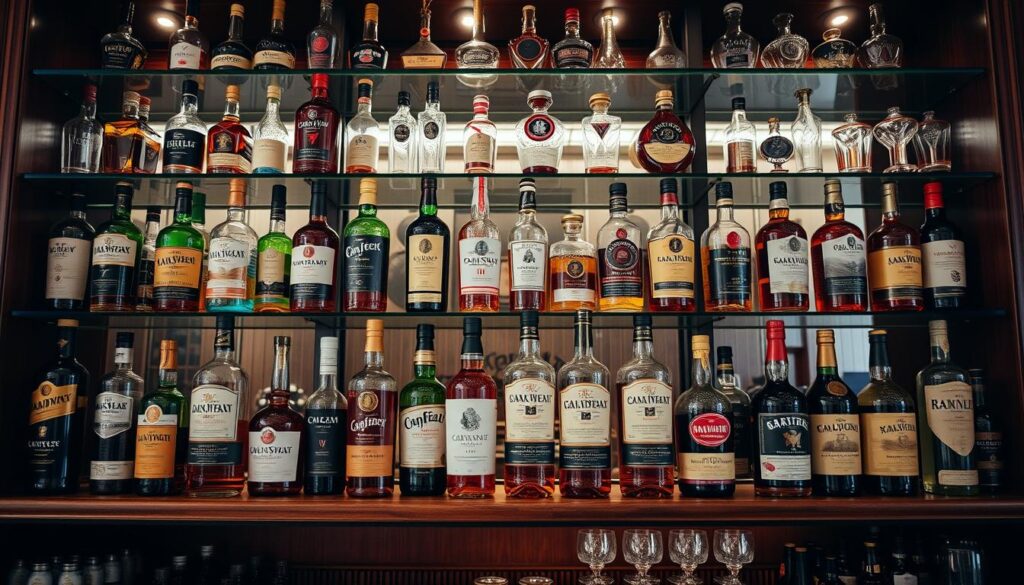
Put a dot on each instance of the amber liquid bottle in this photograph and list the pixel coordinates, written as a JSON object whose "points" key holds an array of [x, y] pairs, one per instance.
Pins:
{"points": [[572, 271], [229, 144], [894, 260], [277, 435], [665, 143], [471, 417], [782, 267], [314, 270], [835, 426], [373, 410], [838, 259]]}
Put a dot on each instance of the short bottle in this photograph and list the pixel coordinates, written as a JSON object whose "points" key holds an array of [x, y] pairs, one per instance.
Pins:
{"points": [[162, 437], [572, 52], [269, 137], [834, 52], [480, 139], [943, 254], [402, 137], [114, 422], [601, 135], [185, 134], [529, 50], [370, 444], [362, 134], [116, 253], [369, 53], [123, 149], [276, 435], [233, 53], [988, 438], [725, 258], [82, 137], [835, 426], [316, 132], [428, 241], [838, 259], [573, 269], [620, 265], [894, 260], [479, 255], [314, 270], [229, 144], [421, 424], [121, 49], [326, 427], [788, 50], [189, 48], [853, 141], [432, 125], [274, 259], [471, 414], [776, 149], [735, 49], [424, 54], [782, 262], [322, 40], [665, 144], [528, 254], [740, 138], [68, 253], [670, 257], [540, 136], [366, 241], [178, 276], [275, 51], [727, 381]]}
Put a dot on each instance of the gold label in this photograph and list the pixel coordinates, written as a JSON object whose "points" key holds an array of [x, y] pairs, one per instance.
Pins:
{"points": [[890, 443], [369, 460], [697, 467], [666, 153], [530, 411], [426, 269], [50, 401], [950, 411], [178, 266], [672, 266], [957, 477], [268, 57], [155, 444], [646, 410], [423, 61], [894, 269], [835, 444], [229, 60], [479, 150]]}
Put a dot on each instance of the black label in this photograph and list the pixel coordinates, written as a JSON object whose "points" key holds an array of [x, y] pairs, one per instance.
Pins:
{"points": [[529, 49], [215, 453], [121, 55], [729, 274], [402, 133], [112, 281], [529, 453], [737, 61], [366, 260], [584, 457], [573, 57], [184, 150], [621, 271], [325, 441], [785, 433], [367, 57], [431, 130]]}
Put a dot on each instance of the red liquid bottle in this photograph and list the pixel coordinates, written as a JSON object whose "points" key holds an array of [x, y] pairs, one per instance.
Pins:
{"points": [[316, 132], [665, 144], [670, 258], [471, 414], [229, 144], [781, 247], [894, 260], [838, 260], [314, 251], [277, 436]]}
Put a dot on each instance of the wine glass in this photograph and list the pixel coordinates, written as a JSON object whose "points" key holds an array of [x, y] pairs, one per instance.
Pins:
{"points": [[641, 548], [596, 548], [688, 548], [734, 548]]}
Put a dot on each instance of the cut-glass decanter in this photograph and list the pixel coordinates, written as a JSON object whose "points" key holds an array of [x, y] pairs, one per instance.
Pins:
{"points": [[931, 144], [788, 50], [735, 49], [895, 132], [853, 145], [806, 131], [882, 50], [835, 52]]}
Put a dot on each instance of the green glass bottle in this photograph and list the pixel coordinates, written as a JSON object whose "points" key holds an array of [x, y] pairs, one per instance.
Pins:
{"points": [[116, 251], [161, 441], [177, 278], [421, 424], [274, 265], [366, 255]]}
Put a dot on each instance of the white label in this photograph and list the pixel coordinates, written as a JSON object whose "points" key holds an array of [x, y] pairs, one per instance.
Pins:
{"points": [[787, 265], [479, 266], [945, 264], [529, 265], [647, 412], [421, 440], [273, 455], [529, 411], [267, 154], [67, 268], [362, 152], [843, 258], [312, 265], [562, 295], [185, 56], [904, 579], [539, 156], [586, 416], [471, 425], [213, 413], [122, 355], [228, 268], [479, 151], [112, 414], [114, 250], [111, 470]]}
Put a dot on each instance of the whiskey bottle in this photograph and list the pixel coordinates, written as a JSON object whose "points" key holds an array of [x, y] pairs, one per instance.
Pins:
{"points": [[322, 41], [162, 436], [479, 255], [68, 251], [945, 419], [124, 143], [314, 270], [179, 259], [421, 427], [988, 438], [618, 257], [424, 54], [782, 450], [275, 51], [585, 460], [426, 259], [55, 419], [838, 259], [835, 426], [316, 132], [276, 436], [366, 255], [115, 256], [326, 424], [188, 46], [727, 381], [185, 134], [573, 269], [894, 260], [740, 137], [370, 445], [725, 258], [471, 420], [274, 262], [704, 433], [218, 420], [782, 266], [402, 138], [369, 53], [231, 267], [233, 54], [608, 55], [527, 254], [601, 135], [147, 262], [120, 49], [572, 52], [888, 428], [432, 124], [362, 134], [529, 50], [269, 137], [644, 386], [665, 144], [670, 257], [529, 387], [119, 392], [229, 144], [480, 139], [944, 265], [82, 137], [540, 136]]}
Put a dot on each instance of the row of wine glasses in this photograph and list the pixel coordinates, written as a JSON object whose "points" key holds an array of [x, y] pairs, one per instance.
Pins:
{"points": [[643, 549]]}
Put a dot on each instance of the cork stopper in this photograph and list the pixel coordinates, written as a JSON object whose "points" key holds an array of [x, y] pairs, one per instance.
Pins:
{"points": [[371, 12], [664, 98], [937, 327], [600, 100], [237, 10], [876, 332], [572, 218], [374, 335], [129, 97], [231, 93], [168, 354], [274, 92], [368, 192], [278, 13], [236, 193], [67, 322], [183, 185], [700, 343]]}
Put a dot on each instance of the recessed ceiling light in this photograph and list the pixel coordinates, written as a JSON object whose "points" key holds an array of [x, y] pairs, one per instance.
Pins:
{"points": [[839, 20], [166, 22]]}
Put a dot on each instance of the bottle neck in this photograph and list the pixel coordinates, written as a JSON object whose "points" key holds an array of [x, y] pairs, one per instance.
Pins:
{"points": [[122, 207], [277, 26], [373, 359], [367, 210], [878, 362], [224, 353], [276, 222], [978, 390], [189, 104], [939, 348], [236, 214], [183, 210], [130, 110], [481, 204], [608, 33], [827, 359], [363, 108], [319, 93], [66, 346], [835, 211], [726, 375], [739, 117], [665, 38], [273, 109], [478, 22], [167, 378], [279, 384], [779, 212], [77, 214], [317, 208], [643, 343], [583, 340], [231, 110], [669, 210], [529, 344], [88, 110], [733, 23], [235, 28], [701, 368], [428, 202], [572, 29], [370, 30], [776, 365], [529, 22], [725, 213]]}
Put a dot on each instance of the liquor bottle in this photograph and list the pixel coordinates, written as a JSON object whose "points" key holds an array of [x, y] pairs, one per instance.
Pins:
{"points": [[882, 50], [727, 381], [932, 144], [68, 251], [185, 134], [944, 265], [725, 258], [177, 278], [314, 270], [477, 53], [608, 55], [233, 54], [529, 387], [619, 259], [276, 435], [665, 144], [366, 255], [189, 48], [529, 50], [900, 569], [853, 142], [421, 426], [369, 53], [115, 256], [666, 55], [275, 51], [740, 137], [199, 223], [988, 438], [362, 134], [229, 144], [316, 132], [123, 140], [704, 431], [402, 135], [573, 269], [945, 419], [274, 261], [432, 125], [480, 139], [119, 392], [601, 135], [326, 424], [871, 567], [147, 262], [670, 257], [585, 460], [786, 566], [370, 444], [782, 267], [806, 131], [162, 434], [572, 52], [479, 255], [834, 52], [322, 41], [120, 49], [231, 269], [56, 416], [776, 149], [831, 572], [150, 139], [787, 50], [426, 259], [894, 260], [82, 137], [838, 259], [888, 428], [540, 136], [270, 137], [424, 54], [835, 426], [471, 415], [527, 254], [782, 450], [735, 49]]}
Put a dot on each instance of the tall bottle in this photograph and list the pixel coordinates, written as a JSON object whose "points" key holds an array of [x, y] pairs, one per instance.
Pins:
{"points": [[270, 137], [727, 381], [428, 240], [370, 445], [477, 53], [725, 258], [322, 41], [233, 53], [316, 132], [147, 263], [479, 255], [275, 51], [670, 257], [113, 454], [835, 426], [229, 144], [362, 134], [82, 137], [369, 53], [480, 139], [189, 48], [162, 435], [231, 269], [314, 270], [619, 260], [806, 129], [402, 138], [608, 55], [782, 263], [185, 134], [276, 436], [68, 251], [179, 259], [988, 438], [326, 424], [115, 257], [274, 262], [666, 55], [944, 262], [366, 258], [421, 426], [740, 137], [894, 260], [120, 49], [471, 415], [585, 462], [838, 259], [528, 254], [433, 125]]}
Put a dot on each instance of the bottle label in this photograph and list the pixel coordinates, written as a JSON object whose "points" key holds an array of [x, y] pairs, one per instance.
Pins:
{"points": [[121, 55], [950, 412], [184, 151], [647, 423], [529, 265], [471, 425], [707, 468], [904, 579], [325, 441], [113, 265], [845, 266], [231, 269], [966, 477], [362, 152], [479, 151], [422, 436], [321, 50], [273, 274], [178, 270], [147, 269], [112, 414], [213, 426], [529, 49], [945, 268], [737, 60], [52, 426], [529, 422], [729, 274], [787, 265], [111, 470], [316, 134], [50, 401], [621, 269], [574, 283], [371, 433], [368, 58], [539, 128], [672, 266], [274, 59], [573, 57], [426, 268], [479, 266], [705, 449], [890, 443], [897, 271], [185, 56], [230, 152], [401, 133], [784, 446], [835, 444], [230, 61], [273, 455], [268, 156], [666, 146], [67, 268], [155, 443], [423, 61], [988, 448], [431, 130], [741, 156], [366, 263], [585, 437], [312, 274]]}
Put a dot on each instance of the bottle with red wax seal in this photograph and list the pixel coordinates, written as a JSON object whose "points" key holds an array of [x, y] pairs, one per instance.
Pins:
{"points": [[316, 132]]}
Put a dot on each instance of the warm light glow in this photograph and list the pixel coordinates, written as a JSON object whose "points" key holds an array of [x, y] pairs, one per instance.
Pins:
{"points": [[839, 20], [165, 22], [467, 20]]}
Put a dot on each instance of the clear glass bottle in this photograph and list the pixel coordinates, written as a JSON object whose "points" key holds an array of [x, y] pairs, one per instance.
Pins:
{"points": [[806, 129], [735, 49], [620, 265], [231, 267], [402, 138], [834, 52], [725, 258], [424, 54], [322, 41], [572, 52], [362, 134], [728, 382], [931, 144], [432, 125], [477, 53], [270, 138], [601, 136], [853, 142], [608, 55], [776, 148], [788, 50], [276, 435], [895, 132], [740, 138], [479, 257], [369, 53], [113, 453], [882, 50], [529, 50], [326, 425], [540, 136], [147, 263], [480, 139], [527, 254], [120, 49], [370, 450], [188, 45], [185, 134], [152, 141], [82, 137], [670, 257], [666, 55], [573, 269]]}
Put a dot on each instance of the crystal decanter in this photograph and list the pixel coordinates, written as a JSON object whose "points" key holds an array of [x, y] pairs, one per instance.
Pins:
{"points": [[895, 132], [477, 53], [931, 144], [608, 55], [666, 55], [882, 50], [853, 145], [788, 50], [735, 49], [835, 52], [806, 130], [424, 54]]}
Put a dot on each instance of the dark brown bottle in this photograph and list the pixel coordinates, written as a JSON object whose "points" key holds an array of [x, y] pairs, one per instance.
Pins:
{"points": [[276, 436], [835, 426]]}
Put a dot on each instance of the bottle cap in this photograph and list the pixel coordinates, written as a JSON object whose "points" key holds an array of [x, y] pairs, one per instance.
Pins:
{"points": [[279, 197], [237, 10], [190, 87], [152, 214], [739, 103], [582, 317], [183, 185], [600, 99], [428, 183], [318, 80], [371, 12], [889, 190], [318, 188], [776, 329], [404, 99], [433, 92], [368, 192], [124, 339], [724, 353], [669, 186], [374, 335], [329, 344], [641, 320], [278, 12], [168, 354], [471, 326], [732, 6], [130, 97], [976, 374], [804, 93], [825, 336], [274, 92], [231, 93], [937, 327], [933, 195], [833, 186], [78, 202], [572, 218], [723, 190], [423, 330], [225, 322], [700, 343], [528, 319], [527, 184], [617, 190], [282, 341], [572, 15], [876, 335], [537, 94], [777, 190], [663, 97], [365, 89], [481, 102]]}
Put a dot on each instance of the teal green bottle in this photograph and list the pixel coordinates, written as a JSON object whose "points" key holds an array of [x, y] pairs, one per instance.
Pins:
{"points": [[366, 241], [231, 260], [421, 424], [274, 266], [178, 274]]}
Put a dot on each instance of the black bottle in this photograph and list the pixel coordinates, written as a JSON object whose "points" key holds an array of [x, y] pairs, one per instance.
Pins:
{"points": [[944, 266], [326, 422], [426, 263], [275, 51], [233, 53], [369, 53], [69, 250], [988, 438]]}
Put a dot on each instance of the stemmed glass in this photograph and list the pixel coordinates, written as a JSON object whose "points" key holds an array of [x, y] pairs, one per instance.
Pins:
{"points": [[688, 548], [596, 548], [734, 548], [643, 549]]}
